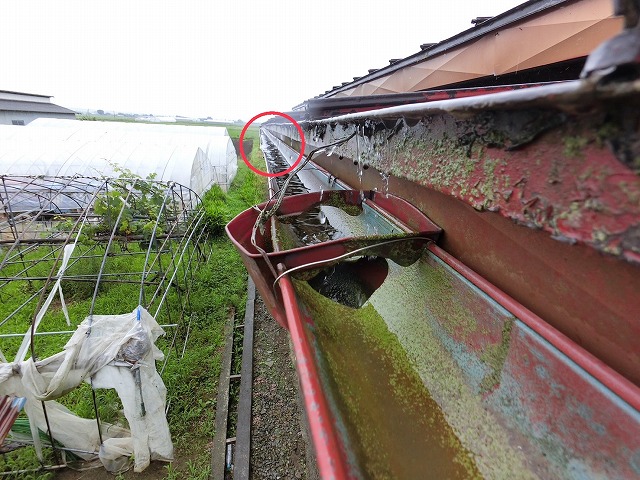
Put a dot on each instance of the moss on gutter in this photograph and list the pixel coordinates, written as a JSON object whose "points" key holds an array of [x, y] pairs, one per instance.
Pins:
{"points": [[460, 322], [494, 357], [396, 429], [573, 146], [335, 199], [421, 302]]}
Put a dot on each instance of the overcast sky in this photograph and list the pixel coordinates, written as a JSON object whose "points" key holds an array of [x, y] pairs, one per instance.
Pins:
{"points": [[227, 60]]}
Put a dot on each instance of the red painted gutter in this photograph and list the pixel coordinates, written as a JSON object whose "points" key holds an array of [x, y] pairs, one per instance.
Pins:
{"points": [[330, 458], [330, 453], [619, 385], [331, 462]]}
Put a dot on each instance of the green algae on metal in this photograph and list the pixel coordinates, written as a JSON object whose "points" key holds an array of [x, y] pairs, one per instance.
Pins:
{"points": [[449, 164], [399, 430], [335, 199], [460, 322], [286, 238], [414, 302], [494, 356], [573, 146]]}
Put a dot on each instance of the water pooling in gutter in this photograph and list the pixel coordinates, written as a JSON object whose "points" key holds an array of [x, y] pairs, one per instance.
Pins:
{"points": [[308, 228]]}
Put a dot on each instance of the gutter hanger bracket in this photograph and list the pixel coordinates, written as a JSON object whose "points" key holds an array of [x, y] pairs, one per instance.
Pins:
{"points": [[621, 51]]}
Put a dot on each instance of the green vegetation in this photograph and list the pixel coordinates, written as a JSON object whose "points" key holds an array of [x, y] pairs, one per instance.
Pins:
{"points": [[147, 204], [221, 208], [236, 130], [233, 128], [248, 189], [218, 287], [574, 146]]}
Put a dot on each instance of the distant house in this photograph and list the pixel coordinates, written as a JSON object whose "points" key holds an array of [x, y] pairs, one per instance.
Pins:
{"points": [[18, 108]]}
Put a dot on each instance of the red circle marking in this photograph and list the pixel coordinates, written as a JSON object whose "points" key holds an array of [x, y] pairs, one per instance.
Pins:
{"points": [[262, 172]]}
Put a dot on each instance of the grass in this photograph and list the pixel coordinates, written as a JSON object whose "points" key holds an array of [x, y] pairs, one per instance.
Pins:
{"points": [[113, 297], [218, 287], [233, 128]]}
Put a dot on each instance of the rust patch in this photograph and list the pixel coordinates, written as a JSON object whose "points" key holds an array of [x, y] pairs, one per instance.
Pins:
{"points": [[572, 175]]}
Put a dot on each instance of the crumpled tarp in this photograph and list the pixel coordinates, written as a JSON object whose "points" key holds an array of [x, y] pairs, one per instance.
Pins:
{"points": [[109, 351]]}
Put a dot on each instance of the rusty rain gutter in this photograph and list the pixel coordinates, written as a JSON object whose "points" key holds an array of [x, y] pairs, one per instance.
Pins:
{"points": [[573, 93], [566, 96], [330, 459], [595, 367], [563, 96]]}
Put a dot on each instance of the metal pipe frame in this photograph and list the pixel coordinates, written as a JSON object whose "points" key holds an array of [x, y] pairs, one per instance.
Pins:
{"points": [[36, 238]]}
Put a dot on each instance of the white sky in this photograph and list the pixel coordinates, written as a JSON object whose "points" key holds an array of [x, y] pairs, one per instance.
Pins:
{"points": [[227, 60]]}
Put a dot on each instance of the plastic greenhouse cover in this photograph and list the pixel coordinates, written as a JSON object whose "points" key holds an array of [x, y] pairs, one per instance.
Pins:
{"points": [[61, 148], [128, 126], [111, 351]]}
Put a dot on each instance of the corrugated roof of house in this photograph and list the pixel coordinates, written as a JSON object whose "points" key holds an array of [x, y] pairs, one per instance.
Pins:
{"points": [[20, 106]]}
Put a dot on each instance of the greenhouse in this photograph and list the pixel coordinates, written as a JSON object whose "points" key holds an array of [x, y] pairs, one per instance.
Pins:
{"points": [[101, 231], [196, 157], [93, 272]]}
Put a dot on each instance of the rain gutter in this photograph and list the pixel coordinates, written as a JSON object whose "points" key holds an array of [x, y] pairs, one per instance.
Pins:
{"points": [[567, 95], [330, 459], [615, 382]]}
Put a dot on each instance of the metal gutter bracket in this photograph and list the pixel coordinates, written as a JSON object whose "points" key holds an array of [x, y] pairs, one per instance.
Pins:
{"points": [[621, 51]]}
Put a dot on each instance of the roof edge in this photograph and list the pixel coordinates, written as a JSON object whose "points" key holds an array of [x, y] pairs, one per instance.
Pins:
{"points": [[518, 13], [26, 93]]}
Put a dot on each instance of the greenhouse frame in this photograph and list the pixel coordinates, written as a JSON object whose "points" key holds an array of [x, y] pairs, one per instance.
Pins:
{"points": [[107, 266]]}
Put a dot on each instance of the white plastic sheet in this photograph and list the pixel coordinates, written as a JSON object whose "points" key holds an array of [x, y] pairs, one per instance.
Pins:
{"points": [[193, 156], [57, 288], [119, 352]]}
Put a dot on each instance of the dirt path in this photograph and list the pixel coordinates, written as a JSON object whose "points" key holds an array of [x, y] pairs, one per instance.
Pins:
{"points": [[279, 447]]}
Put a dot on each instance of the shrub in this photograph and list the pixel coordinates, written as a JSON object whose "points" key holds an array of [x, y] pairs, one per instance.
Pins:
{"points": [[216, 210]]}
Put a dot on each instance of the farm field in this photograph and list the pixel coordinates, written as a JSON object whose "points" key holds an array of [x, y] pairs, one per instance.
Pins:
{"points": [[218, 288]]}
